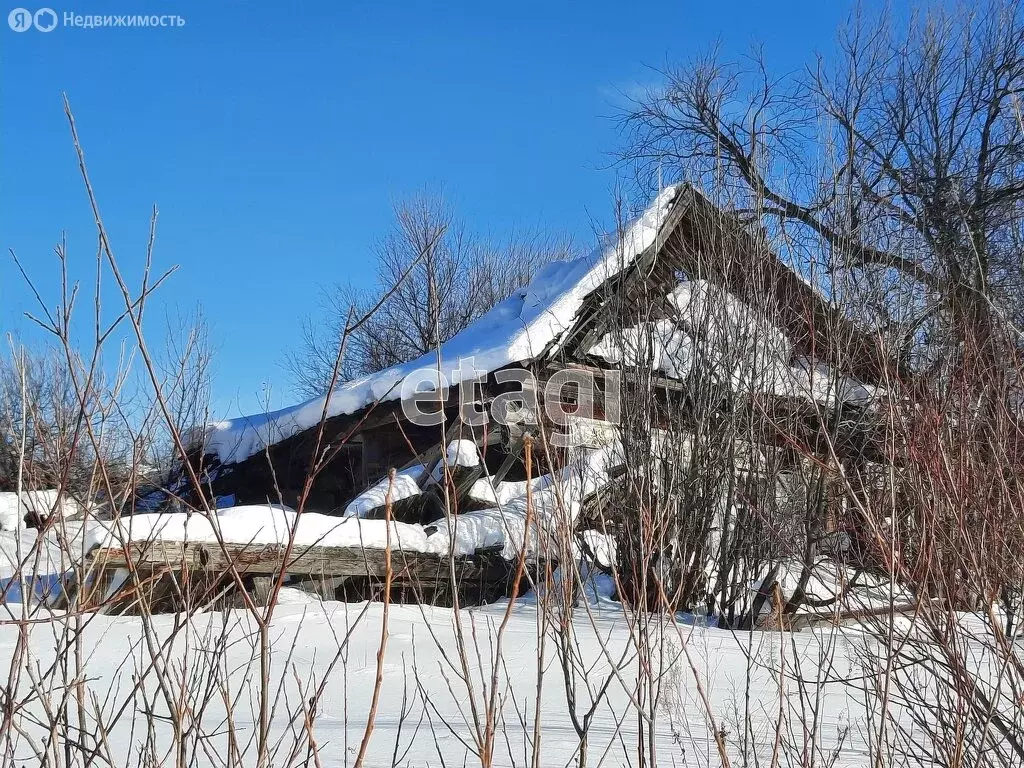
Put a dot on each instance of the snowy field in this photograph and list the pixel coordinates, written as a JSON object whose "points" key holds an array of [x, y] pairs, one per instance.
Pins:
{"points": [[645, 690], [425, 713]]}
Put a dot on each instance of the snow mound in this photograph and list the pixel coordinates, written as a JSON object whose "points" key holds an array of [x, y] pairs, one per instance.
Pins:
{"points": [[14, 506], [831, 581], [501, 493], [555, 503], [406, 485], [32, 555], [461, 453]]}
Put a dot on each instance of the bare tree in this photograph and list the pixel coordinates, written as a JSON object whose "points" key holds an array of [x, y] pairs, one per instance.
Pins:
{"points": [[40, 411], [897, 165], [456, 277], [892, 178]]}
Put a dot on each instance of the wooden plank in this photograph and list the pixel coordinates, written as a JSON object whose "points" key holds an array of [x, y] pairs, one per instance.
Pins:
{"points": [[255, 560], [325, 587], [804, 620], [437, 452], [506, 465], [176, 576]]}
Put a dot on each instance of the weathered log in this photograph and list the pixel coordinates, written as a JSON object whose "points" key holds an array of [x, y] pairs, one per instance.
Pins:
{"points": [[175, 575], [268, 559], [802, 620]]}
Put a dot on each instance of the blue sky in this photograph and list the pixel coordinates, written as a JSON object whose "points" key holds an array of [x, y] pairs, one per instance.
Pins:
{"points": [[275, 137]]}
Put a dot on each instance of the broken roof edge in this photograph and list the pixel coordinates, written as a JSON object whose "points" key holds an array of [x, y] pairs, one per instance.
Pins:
{"points": [[519, 329]]}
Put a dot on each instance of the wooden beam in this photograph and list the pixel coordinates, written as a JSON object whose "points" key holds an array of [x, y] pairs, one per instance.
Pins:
{"points": [[264, 560], [436, 454]]}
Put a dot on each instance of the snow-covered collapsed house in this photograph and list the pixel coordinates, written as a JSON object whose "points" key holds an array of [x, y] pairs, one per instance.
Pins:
{"points": [[680, 290], [686, 308]]}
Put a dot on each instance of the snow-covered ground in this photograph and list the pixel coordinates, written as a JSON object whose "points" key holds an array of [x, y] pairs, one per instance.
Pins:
{"points": [[116, 685], [425, 709], [812, 688], [425, 712]]}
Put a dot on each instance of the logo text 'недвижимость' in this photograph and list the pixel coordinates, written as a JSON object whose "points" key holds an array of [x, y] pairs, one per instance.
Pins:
{"points": [[47, 20]]}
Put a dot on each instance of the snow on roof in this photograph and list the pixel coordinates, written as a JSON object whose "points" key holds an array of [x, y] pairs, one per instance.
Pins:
{"points": [[514, 331], [719, 335]]}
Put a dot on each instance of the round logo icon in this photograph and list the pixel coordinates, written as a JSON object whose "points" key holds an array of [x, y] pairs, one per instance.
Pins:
{"points": [[20, 19], [45, 19]]}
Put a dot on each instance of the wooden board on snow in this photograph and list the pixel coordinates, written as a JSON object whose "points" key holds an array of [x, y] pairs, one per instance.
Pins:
{"points": [[167, 571]]}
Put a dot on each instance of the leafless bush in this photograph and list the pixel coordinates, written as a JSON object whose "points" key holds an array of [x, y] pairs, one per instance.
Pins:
{"points": [[890, 178]]}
